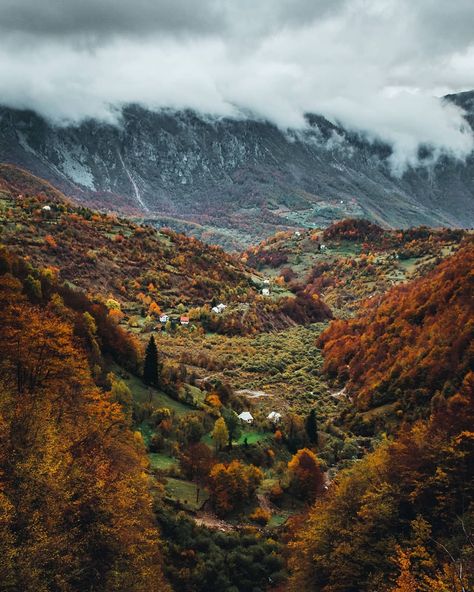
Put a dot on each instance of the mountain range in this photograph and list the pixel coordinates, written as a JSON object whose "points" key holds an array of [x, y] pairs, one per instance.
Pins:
{"points": [[236, 181]]}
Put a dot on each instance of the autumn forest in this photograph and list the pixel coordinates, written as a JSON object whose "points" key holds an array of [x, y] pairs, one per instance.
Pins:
{"points": [[297, 416]]}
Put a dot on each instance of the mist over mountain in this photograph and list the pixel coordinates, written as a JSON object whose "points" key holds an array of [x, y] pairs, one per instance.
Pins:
{"points": [[234, 181]]}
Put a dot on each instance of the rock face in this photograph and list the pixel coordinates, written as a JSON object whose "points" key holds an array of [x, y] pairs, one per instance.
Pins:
{"points": [[236, 181]]}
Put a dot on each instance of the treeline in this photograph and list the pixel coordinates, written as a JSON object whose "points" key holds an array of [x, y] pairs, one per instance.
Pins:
{"points": [[75, 511]]}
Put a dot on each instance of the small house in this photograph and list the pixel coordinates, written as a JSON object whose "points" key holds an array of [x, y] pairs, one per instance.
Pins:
{"points": [[297, 233], [46, 208], [219, 308], [266, 291], [274, 416], [164, 318], [184, 320], [246, 416], [266, 282]]}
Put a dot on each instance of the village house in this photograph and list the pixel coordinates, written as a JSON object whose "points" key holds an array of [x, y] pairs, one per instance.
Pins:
{"points": [[46, 212], [219, 308], [266, 291], [184, 320], [274, 416], [164, 318], [246, 416]]}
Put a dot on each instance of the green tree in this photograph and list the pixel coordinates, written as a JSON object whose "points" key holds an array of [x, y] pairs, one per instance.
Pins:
{"points": [[123, 395], [311, 427], [151, 367], [233, 424]]}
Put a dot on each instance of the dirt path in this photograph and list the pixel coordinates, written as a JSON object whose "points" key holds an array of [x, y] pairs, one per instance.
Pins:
{"points": [[253, 394], [211, 521], [264, 502]]}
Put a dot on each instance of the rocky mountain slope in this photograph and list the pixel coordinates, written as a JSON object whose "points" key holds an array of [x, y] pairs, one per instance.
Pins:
{"points": [[235, 181]]}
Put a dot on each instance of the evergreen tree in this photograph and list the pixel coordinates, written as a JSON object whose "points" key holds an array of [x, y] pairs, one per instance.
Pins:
{"points": [[311, 427], [232, 422], [151, 367]]}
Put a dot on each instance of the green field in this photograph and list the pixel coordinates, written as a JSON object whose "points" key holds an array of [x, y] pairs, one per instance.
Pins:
{"points": [[161, 461], [184, 492], [143, 394]]}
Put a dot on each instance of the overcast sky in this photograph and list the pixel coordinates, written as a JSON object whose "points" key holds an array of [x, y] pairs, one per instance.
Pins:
{"points": [[372, 65]]}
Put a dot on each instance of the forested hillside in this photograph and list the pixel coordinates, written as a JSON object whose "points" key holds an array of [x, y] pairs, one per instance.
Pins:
{"points": [[75, 505], [401, 519], [411, 348], [351, 260]]}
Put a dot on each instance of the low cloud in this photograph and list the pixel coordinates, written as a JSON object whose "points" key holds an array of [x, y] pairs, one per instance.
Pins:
{"points": [[375, 66]]}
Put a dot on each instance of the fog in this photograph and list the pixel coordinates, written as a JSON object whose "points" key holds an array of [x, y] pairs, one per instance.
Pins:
{"points": [[374, 66]]}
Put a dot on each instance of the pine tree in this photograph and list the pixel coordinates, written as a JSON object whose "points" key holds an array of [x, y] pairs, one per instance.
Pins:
{"points": [[151, 367], [311, 427]]}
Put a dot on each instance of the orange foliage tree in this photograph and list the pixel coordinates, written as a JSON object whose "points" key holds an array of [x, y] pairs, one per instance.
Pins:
{"points": [[232, 485], [306, 476]]}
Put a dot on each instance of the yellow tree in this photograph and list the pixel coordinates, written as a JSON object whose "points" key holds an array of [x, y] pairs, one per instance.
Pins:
{"points": [[220, 433], [406, 581]]}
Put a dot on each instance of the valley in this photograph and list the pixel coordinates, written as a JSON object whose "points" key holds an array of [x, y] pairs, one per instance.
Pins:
{"points": [[335, 351]]}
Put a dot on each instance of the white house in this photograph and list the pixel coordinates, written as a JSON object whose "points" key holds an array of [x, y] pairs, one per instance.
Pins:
{"points": [[46, 208], [246, 416], [266, 282], [219, 308], [297, 233], [266, 291], [164, 318], [274, 416]]}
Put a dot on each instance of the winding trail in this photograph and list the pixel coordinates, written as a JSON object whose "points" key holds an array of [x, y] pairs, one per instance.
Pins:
{"points": [[211, 521], [250, 394]]}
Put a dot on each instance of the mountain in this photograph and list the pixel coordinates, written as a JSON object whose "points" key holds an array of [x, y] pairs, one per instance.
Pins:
{"points": [[237, 181]]}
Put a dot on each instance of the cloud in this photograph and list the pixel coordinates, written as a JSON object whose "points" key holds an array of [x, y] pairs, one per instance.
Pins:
{"points": [[372, 65]]}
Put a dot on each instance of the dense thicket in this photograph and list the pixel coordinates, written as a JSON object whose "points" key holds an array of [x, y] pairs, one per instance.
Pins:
{"points": [[75, 512], [353, 229], [201, 560]]}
